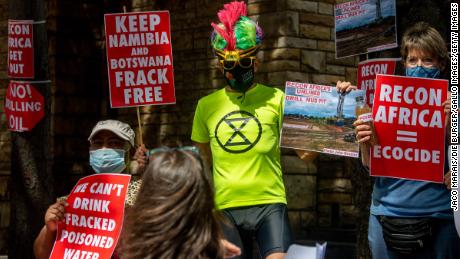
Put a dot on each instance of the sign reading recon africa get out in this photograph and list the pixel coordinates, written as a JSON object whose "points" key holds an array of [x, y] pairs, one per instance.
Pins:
{"points": [[409, 122], [139, 59], [20, 49]]}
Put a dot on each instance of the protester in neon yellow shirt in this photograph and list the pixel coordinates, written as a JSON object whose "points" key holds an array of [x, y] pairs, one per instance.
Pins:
{"points": [[237, 129], [244, 140]]}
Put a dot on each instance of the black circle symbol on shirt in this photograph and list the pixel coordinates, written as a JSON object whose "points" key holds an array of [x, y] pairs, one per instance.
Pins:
{"points": [[245, 143]]}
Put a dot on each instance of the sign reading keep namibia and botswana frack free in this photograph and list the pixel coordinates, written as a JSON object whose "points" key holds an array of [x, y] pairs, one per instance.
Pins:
{"points": [[409, 122], [139, 59]]}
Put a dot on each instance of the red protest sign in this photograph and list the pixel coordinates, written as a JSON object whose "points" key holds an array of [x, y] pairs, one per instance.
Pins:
{"points": [[93, 219], [139, 59], [20, 49], [24, 106], [409, 124], [368, 70]]}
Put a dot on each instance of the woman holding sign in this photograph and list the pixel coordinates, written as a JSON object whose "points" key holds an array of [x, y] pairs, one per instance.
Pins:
{"points": [[412, 219], [110, 143]]}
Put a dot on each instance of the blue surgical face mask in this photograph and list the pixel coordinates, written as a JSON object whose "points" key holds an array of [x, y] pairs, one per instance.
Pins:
{"points": [[107, 160], [420, 71]]}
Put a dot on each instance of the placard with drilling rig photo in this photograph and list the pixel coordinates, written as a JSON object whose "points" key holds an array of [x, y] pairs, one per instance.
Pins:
{"points": [[318, 118], [363, 26]]}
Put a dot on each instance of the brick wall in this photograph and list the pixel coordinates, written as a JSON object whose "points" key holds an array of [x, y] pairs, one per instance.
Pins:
{"points": [[78, 74]]}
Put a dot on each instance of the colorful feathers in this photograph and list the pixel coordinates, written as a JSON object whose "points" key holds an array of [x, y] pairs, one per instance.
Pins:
{"points": [[235, 30]]}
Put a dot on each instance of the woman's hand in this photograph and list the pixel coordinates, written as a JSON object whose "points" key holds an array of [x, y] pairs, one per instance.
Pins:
{"points": [[231, 250], [363, 131], [446, 106], [344, 87], [54, 215], [141, 158], [447, 179]]}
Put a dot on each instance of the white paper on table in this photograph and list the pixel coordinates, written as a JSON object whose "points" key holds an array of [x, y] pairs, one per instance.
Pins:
{"points": [[321, 250], [306, 252]]}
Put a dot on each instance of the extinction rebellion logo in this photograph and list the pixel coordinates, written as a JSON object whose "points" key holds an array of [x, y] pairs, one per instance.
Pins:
{"points": [[238, 131]]}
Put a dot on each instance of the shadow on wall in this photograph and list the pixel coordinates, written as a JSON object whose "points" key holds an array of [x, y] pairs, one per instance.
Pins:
{"points": [[80, 96]]}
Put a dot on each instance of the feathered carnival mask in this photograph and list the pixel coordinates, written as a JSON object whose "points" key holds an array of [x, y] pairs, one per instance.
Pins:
{"points": [[236, 38]]}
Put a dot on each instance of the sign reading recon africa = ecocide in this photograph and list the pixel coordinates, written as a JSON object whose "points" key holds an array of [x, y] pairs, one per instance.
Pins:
{"points": [[20, 49], [409, 122], [139, 59]]}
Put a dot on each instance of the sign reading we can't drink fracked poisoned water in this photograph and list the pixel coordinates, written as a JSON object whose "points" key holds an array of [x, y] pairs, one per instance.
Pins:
{"points": [[93, 218]]}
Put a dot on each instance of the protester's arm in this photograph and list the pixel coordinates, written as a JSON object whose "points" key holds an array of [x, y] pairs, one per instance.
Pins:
{"points": [[43, 244], [205, 153]]}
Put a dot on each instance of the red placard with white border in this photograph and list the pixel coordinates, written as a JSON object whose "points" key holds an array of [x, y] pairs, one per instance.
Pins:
{"points": [[409, 122], [368, 70], [20, 49], [93, 218], [139, 59], [24, 106]]}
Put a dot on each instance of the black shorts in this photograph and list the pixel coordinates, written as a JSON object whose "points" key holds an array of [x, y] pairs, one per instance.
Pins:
{"points": [[267, 223]]}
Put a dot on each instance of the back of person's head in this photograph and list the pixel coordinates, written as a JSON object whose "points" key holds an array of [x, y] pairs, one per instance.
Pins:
{"points": [[174, 214], [421, 36]]}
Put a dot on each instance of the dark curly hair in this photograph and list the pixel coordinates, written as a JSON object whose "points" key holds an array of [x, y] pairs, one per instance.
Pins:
{"points": [[174, 215]]}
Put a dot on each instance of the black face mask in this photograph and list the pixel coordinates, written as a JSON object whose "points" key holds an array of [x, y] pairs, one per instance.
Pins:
{"points": [[243, 78]]}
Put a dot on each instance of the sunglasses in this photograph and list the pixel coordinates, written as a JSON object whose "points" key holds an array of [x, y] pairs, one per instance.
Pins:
{"points": [[169, 149], [242, 62], [229, 58]]}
